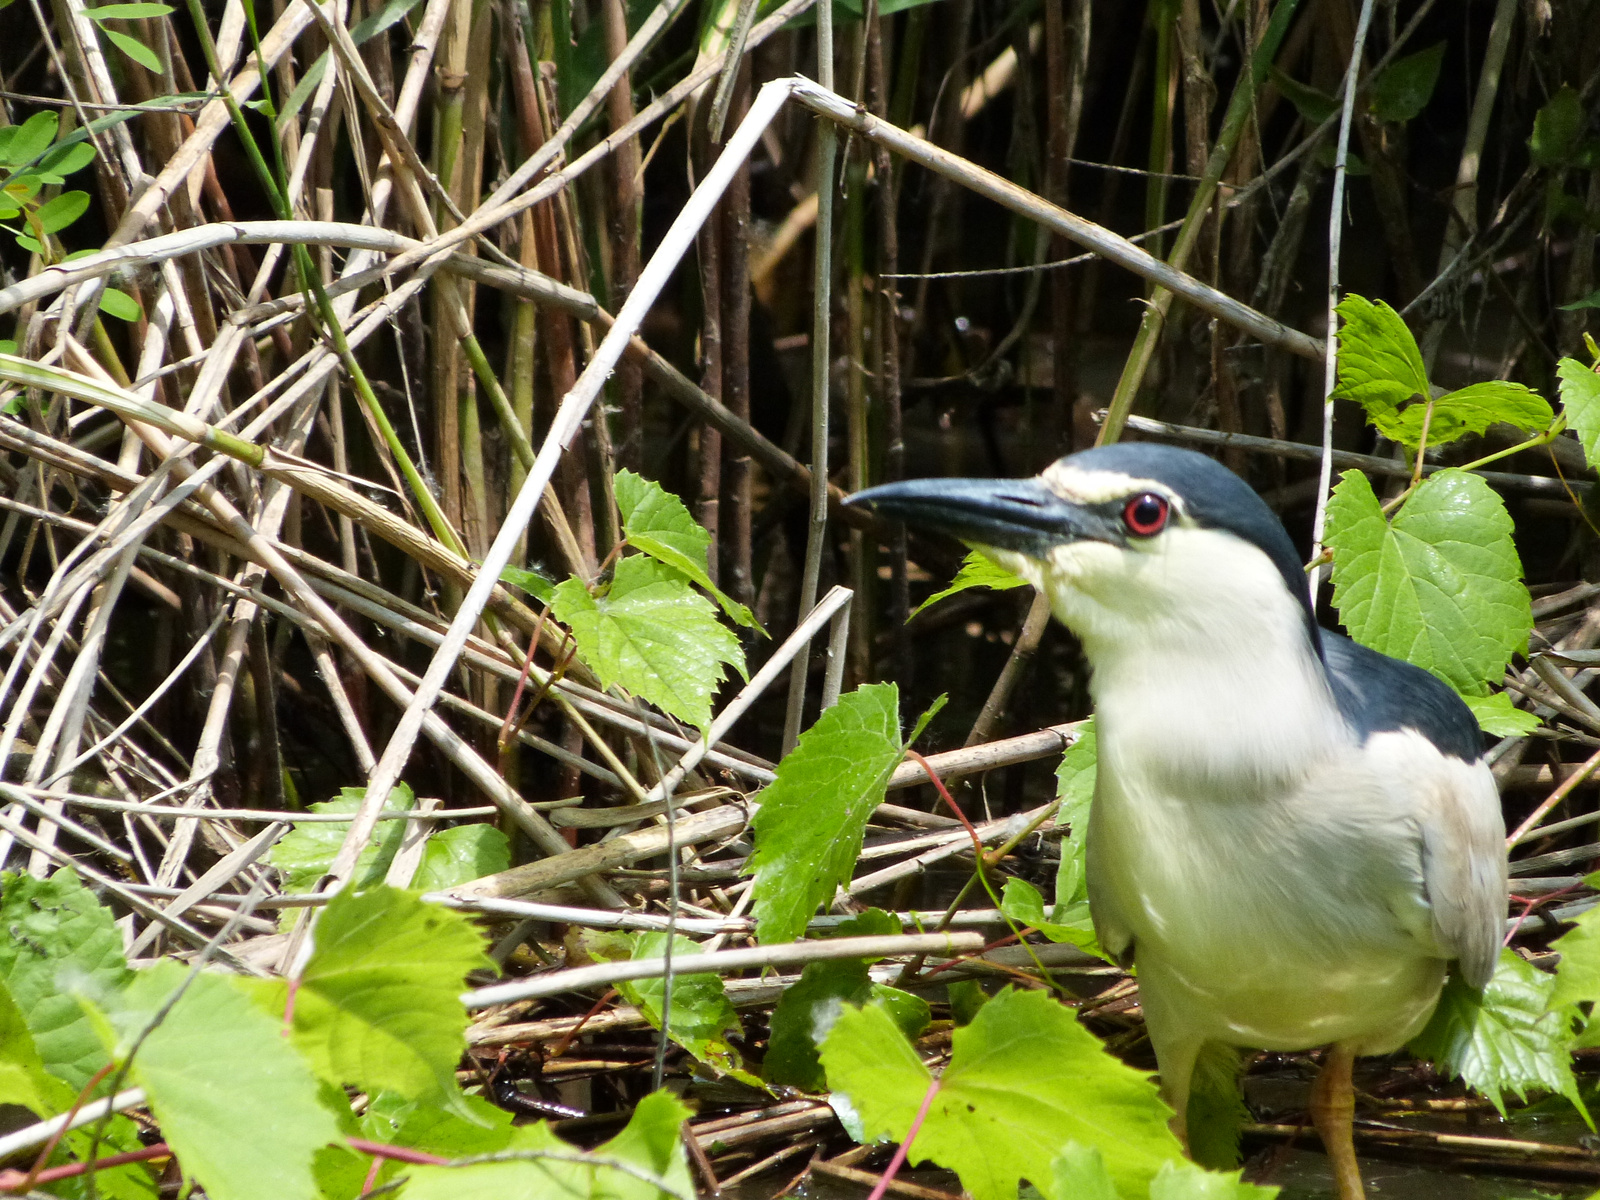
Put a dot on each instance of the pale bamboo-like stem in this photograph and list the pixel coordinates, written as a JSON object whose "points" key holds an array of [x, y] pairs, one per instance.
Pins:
{"points": [[567, 421], [725, 961]]}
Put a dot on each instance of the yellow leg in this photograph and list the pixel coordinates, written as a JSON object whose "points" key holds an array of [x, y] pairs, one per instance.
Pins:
{"points": [[1333, 1109]]}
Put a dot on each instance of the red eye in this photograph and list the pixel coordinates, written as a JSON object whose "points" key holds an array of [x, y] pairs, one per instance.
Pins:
{"points": [[1146, 514]]}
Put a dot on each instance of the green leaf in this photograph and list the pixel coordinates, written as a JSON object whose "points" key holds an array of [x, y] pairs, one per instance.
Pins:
{"points": [[536, 585], [652, 635], [1406, 85], [55, 215], [68, 159], [701, 1015], [56, 930], [1506, 1039], [134, 49], [379, 1002], [1472, 410], [1071, 923], [31, 245], [1314, 105], [807, 1010], [1024, 1078], [1380, 367], [1580, 400], [809, 827], [976, 571], [129, 1181], [1439, 586], [656, 522], [1079, 1173], [652, 1144], [966, 997], [1075, 778], [459, 855], [1557, 129], [1497, 716], [126, 12], [26, 142], [1577, 979], [1217, 1112], [305, 853], [1185, 1181], [1592, 300], [214, 1047], [23, 1079], [117, 303]]}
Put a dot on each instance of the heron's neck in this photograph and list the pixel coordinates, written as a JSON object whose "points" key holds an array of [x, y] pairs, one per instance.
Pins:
{"points": [[1239, 707]]}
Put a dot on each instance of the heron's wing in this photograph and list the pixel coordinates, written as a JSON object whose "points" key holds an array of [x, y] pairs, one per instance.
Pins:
{"points": [[1463, 860]]}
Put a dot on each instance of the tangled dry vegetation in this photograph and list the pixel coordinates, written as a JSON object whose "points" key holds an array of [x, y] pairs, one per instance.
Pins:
{"points": [[303, 299]]}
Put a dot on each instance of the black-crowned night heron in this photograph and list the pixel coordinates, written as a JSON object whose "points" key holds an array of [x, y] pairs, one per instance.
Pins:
{"points": [[1292, 836]]}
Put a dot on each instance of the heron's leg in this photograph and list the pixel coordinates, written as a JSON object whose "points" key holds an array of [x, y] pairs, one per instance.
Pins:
{"points": [[1333, 1110], [1176, 1044]]}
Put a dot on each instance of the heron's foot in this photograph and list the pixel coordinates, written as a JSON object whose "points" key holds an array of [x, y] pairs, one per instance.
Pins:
{"points": [[1333, 1110]]}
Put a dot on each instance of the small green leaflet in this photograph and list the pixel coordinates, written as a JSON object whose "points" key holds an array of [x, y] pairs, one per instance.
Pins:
{"points": [[1024, 1079], [701, 1016], [117, 303], [57, 931], [1592, 300], [1381, 369], [1314, 105], [379, 1002], [1080, 1174], [1558, 129], [215, 1046], [652, 634], [539, 1164], [126, 12], [1439, 586], [134, 49], [656, 522], [21, 144], [55, 215], [1406, 85], [1507, 1039], [305, 853], [1580, 400], [807, 1010], [976, 571], [813, 816], [1075, 778], [532, 582]]}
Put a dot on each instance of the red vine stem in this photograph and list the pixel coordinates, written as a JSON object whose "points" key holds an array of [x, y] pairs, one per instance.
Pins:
{"points": [[911, 1135]]}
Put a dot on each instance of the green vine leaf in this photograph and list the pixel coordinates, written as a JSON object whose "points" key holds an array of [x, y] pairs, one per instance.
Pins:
{"points": [[652, 634], [976, 571], [813, 816], [1406, 85], [1580, 400], [1506, 1039], [379, 1002], [656, 522], [57, 931], [1439, 586], [214, 1046], [701, 1016], [1024, 1079]]}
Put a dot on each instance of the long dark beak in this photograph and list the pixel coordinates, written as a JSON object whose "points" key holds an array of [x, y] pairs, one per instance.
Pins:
{"points": [[1008, 514]]}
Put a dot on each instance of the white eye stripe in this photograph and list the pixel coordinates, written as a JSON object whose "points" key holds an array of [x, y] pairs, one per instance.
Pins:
{"points": [[1077, 486]]}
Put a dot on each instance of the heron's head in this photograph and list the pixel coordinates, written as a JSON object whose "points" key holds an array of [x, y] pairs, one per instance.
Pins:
{"points": [[1133, 543]]}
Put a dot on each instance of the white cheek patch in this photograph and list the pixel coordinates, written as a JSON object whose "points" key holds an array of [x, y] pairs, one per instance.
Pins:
{"points": [[1077, 486]]}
